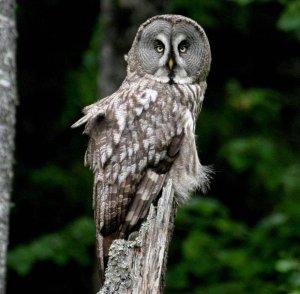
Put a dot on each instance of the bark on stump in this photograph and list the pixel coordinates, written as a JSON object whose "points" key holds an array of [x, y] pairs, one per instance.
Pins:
{"points": [[138, 266]]}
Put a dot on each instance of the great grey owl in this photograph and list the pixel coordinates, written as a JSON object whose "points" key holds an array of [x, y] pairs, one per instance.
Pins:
{"points": [[144, 133]]}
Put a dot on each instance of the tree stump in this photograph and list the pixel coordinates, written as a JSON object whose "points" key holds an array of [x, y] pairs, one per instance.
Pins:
{"points": [[139, 266]]}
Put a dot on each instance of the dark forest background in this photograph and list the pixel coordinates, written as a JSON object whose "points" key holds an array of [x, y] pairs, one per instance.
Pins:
{"points": [[244, 235]]}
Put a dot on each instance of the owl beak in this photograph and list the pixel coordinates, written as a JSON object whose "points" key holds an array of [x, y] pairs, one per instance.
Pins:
{"points": [[171, 63]]}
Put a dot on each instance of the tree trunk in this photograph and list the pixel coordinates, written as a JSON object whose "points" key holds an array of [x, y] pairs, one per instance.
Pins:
{"points": [[139, 266], [120, 20], [8, 101]]}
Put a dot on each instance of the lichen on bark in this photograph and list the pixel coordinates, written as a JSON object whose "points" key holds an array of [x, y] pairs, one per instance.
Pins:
{"points": [[8, 101], [139, 266]]}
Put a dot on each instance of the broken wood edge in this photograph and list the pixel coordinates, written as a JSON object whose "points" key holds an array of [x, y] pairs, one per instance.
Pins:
{"points": [[139, 266]]}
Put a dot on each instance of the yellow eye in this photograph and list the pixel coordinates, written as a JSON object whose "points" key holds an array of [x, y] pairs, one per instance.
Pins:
{"points": [[159, 48], [182, 49]]}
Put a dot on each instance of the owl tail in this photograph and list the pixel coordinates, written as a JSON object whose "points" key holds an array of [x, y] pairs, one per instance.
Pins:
{"points": [[146, 194], [100, 257], [102, 249]]}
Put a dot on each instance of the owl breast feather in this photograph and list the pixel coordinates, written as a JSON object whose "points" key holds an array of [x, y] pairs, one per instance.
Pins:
{"points": [[131, 133]]}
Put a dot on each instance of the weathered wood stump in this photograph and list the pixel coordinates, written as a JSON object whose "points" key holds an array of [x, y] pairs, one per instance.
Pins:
{"points": [[139, 266]]}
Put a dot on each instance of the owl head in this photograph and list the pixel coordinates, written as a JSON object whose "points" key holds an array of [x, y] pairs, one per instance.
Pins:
{"points": [[170, 49]]}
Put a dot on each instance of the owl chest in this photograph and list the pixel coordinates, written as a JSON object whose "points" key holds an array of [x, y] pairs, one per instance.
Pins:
{"points": [[138, 132]]}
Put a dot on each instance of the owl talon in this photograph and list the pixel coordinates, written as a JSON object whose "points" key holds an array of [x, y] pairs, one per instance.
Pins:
{"points": [[133, 236]]}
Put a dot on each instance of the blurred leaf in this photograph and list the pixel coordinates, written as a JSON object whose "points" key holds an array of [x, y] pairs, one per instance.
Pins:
{"points": [[291, 179], [247, 2], [273, 220], [244, 153], [284, 265], [72, 243], [261, 105], [238, 287], [289, 20], [203, 11]]}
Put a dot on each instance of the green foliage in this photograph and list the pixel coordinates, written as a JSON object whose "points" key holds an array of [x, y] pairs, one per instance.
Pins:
{"points": [[64, 181], [244, 238], [214, 252], [201, 10], [289, 20], [217, 252], [81, 88], [71, 243]]}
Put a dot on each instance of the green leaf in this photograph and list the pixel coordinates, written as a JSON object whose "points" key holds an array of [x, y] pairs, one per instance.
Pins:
{"points": [[289, 20], [286, 265], [71, 243]]}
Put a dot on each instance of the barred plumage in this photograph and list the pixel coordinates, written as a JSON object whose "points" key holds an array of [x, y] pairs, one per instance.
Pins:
{"points": [[143, 133]]}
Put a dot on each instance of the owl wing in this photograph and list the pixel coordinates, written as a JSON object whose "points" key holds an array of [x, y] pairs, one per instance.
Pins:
{"points": [[133, 142]]}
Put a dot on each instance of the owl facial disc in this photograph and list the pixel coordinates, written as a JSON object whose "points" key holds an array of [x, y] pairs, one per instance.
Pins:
{"points": [[172, 49]]}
